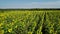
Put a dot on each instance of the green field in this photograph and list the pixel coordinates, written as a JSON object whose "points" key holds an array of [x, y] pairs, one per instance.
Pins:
{"points": [[30, 22]]}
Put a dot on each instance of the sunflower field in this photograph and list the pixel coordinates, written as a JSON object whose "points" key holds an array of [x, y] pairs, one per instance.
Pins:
{"points": [[30, 22]]}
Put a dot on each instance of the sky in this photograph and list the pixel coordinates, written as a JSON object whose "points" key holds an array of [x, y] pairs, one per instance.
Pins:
{"points": [[29, 3]]}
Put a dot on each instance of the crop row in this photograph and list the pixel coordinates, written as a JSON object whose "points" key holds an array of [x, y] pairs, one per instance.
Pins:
{"points": [[30, 22]]}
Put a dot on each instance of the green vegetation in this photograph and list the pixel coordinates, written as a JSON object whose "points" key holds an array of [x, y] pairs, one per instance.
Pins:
{"points": [[29, 22]]}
